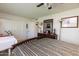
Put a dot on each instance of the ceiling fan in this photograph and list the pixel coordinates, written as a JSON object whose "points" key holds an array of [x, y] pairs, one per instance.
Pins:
{"points": [[48, 5]]}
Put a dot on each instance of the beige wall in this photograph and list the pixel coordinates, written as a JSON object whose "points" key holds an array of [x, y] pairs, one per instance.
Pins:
{"points": [[70, 35], [17, 25]]}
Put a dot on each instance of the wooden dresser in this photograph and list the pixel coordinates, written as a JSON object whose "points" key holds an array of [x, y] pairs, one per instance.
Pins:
{"points": [[43, 35]]}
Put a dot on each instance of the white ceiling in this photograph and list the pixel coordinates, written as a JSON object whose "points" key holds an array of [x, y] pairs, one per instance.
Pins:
{"points": [[29, 10]]}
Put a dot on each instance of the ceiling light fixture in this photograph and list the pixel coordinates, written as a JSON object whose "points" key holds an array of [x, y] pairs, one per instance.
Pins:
{"points": [[48, 5]]}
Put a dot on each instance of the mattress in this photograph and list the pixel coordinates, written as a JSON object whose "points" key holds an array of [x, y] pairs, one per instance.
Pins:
{"points": [[7, 42]]}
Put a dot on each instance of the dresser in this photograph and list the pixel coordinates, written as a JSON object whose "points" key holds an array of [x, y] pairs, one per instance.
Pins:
{"points": [[43, 35]]}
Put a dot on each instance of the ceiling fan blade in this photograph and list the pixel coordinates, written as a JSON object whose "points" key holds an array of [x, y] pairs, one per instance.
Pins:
{"points": [[40, 4]]}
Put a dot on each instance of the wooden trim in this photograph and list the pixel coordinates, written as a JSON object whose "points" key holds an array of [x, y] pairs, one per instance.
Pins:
{"points": [[24, 42], [70, 17]]}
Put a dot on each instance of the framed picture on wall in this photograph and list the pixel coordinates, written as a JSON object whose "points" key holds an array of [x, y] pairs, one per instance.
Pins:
{"points": [[48, 25], [69, 22]]}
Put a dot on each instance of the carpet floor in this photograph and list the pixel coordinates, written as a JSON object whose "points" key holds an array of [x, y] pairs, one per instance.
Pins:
{"points": [[46, 47]]}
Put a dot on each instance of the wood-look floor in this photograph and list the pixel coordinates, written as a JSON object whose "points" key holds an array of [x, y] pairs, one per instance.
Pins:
{"points": [[46, 47]]}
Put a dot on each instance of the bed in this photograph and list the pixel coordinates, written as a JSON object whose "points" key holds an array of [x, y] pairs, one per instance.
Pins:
{"points": [[6, 43], [46, 47]]}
